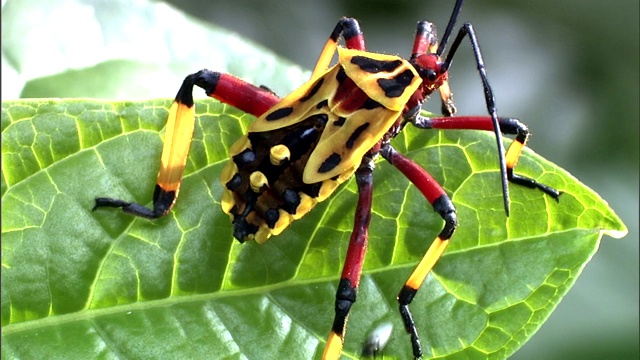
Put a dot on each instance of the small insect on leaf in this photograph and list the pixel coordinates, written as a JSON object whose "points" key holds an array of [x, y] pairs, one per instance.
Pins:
{"points": [[375, 342]]}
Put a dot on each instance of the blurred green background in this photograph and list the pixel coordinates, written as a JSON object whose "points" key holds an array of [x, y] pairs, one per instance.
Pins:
{"points": [[569, 69]]}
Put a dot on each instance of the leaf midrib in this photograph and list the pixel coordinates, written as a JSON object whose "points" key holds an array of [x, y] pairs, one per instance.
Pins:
{"points": [[221, 294]]}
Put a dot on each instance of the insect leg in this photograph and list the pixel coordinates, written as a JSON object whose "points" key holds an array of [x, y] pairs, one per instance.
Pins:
{"points": [[179, 130], [350, 278], [508, 126], [467, 30], [426, 42], [349, 30], [442, 204]]}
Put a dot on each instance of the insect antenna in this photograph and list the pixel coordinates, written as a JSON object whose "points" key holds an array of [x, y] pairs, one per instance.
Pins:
{"points": [[449, 30]]}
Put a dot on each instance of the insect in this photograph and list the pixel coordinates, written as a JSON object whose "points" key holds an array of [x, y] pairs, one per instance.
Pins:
{"points": [[303, 146], [377, 340]]}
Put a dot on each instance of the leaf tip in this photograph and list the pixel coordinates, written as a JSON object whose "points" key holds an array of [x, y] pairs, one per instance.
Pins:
{"points": [[616, 233]]}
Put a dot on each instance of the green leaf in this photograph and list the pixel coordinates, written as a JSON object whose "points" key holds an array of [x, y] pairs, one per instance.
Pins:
{"points": [[83, 284], [77, 284], [122, 50]]}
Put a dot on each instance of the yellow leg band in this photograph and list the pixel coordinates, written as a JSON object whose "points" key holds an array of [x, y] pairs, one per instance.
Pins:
{"points": [[177, 140], [513, 154], [325, 58], [333, 348], [426, 264]]}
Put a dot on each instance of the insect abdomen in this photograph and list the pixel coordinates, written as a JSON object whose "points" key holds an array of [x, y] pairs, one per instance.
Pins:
{"points": [[264, 191]]}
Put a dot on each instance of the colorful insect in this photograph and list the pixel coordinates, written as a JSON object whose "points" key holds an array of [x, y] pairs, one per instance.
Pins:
{"points": [[302, 147]]}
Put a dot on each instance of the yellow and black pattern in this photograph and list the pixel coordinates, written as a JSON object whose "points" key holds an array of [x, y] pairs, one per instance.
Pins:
{"points": [[298, 152], [387, 79]]}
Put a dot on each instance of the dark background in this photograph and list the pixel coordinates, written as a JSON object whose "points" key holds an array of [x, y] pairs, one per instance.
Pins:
{"points": [[568, 69]]}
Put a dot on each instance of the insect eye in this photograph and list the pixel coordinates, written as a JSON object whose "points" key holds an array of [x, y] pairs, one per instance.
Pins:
{"points": [[431, 75]]}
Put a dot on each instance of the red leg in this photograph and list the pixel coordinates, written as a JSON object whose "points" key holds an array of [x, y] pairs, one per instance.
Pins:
{"points": [[509, 126], [426, 42], [228, 89], [426, 39], [179, 130], [348, 286], [442, 204]]}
